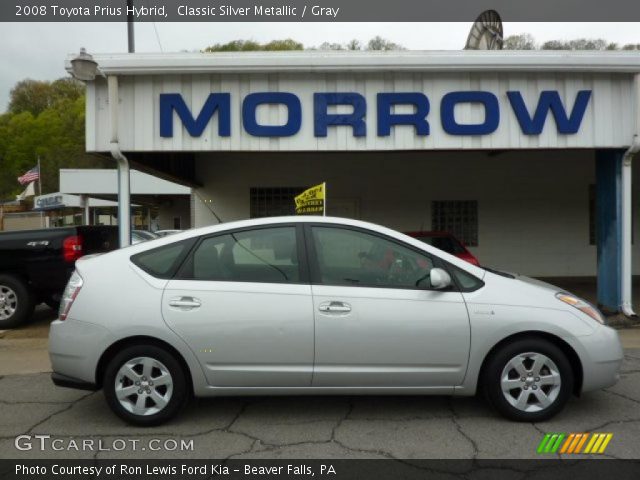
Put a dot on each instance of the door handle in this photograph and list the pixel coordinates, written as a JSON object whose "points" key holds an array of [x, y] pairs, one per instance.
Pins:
{"points": [[334, 307], [185, 302]]}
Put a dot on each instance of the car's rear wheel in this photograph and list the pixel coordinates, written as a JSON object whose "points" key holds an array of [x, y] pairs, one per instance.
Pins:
{"points": [[16, 302], [528, 380], [145, 385]]}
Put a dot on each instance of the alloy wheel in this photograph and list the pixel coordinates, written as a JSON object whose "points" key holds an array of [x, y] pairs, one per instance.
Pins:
{"points": [[143, 386], [530, 382], [8, 302]]}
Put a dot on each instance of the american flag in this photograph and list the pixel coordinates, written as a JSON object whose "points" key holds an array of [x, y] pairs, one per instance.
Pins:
{"points": [[31, 176]]}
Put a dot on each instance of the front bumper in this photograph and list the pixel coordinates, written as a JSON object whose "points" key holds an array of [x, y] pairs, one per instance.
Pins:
{"points": [[601, 356]]}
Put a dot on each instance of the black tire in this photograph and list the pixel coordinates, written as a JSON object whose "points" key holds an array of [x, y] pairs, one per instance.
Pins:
{"points": [[496, 365], [178, 397], [16, 302]]}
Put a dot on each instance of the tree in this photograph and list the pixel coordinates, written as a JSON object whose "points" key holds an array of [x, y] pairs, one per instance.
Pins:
{"points": [[379, 43], [331, 46], [354, 45], [35, 96], [523, 41], [47, 122], [579, 44], [376, 43], [283, 45], [253, 46]]}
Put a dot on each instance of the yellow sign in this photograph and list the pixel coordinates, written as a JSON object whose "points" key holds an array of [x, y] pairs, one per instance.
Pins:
{"points": [[312, 201]]}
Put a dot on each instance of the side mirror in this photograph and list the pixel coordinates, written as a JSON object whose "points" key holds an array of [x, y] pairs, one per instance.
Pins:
{"points": [[440, 279]]}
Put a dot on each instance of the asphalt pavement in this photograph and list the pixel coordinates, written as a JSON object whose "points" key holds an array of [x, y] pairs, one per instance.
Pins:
{"points": [[291, 427]]}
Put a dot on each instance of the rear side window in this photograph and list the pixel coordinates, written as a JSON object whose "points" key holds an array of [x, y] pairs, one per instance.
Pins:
{"points": [[162, 262], [265, 255]]}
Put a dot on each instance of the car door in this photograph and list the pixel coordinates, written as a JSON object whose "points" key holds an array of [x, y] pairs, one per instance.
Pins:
{"points": [[243, 303], [378, 322]]}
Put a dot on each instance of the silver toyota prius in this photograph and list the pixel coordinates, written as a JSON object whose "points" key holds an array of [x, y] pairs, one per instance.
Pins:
{"points": [[319, 305]]}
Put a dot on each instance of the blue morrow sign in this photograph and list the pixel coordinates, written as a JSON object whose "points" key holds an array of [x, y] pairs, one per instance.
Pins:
{"points": [[531, 118]]}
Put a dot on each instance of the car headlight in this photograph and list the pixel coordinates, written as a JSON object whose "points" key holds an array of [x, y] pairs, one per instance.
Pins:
{"points": [[583, 306]]}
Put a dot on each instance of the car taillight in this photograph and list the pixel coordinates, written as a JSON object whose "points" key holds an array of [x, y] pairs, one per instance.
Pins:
{"points": [[69, 295], [72, 248]]}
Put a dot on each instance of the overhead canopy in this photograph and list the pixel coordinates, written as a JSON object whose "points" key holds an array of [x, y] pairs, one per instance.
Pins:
{"points": [[183, 104], [103, 183]]}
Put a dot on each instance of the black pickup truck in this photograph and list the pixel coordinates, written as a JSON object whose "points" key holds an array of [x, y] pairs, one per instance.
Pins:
{"points": [[35, 265]]}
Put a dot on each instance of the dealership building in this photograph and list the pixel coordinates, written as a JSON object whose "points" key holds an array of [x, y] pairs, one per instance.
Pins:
{"points": [[525, 156]]}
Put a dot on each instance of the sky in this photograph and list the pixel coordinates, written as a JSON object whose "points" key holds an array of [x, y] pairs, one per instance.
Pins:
{"points": [[38, 50]]}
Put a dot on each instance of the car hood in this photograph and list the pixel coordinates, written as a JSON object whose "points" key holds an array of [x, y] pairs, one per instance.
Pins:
{"points": [[517, 290], [538, 283]]}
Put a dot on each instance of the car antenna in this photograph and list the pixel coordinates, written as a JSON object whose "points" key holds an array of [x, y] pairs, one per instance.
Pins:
{"points": [[208, 205]]}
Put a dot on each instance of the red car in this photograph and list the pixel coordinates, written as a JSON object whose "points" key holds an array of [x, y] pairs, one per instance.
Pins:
{"points": [[446, 242]]}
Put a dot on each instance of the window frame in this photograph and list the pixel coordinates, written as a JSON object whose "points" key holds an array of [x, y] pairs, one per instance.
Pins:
{"points": [[314, 266], [303, 267]]}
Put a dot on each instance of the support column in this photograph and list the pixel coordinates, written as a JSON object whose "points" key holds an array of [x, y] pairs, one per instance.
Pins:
{"points": [[84, 204], [609, 228]]}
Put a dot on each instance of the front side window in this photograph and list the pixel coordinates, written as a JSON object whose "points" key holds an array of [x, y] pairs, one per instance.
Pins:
{"points": [[356, 258], [262, 255]]}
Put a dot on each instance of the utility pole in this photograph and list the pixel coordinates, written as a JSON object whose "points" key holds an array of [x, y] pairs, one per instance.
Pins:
{"points": [[130, 34]]}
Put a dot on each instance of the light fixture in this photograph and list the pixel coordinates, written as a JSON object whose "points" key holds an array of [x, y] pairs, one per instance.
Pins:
{"points": [[85, 68]]}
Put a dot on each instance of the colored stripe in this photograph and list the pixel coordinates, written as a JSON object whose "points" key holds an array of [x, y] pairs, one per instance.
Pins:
{"points": [[596, 445], [607, 439], [543, 443], [590, 444], [558, 442], [575, 442], [584, 439], [567, 442], [550, 443]]}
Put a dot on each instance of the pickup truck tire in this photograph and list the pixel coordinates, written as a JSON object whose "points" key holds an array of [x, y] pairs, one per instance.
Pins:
{"points": [[16, 302]]}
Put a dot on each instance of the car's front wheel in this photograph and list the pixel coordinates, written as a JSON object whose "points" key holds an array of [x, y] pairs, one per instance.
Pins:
{"points": [[528, 380], [145, 385]]}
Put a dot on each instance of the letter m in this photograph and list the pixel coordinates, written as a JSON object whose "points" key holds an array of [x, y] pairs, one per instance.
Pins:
{"points": [[173, 102], [549, 100]]}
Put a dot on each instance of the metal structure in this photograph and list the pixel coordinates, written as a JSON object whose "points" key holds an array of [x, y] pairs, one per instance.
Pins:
{"points": [[486, 32]]}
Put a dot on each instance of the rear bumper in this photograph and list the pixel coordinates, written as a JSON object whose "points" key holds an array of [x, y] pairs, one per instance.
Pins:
{"points": [[70, 382], [75, 348]]}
